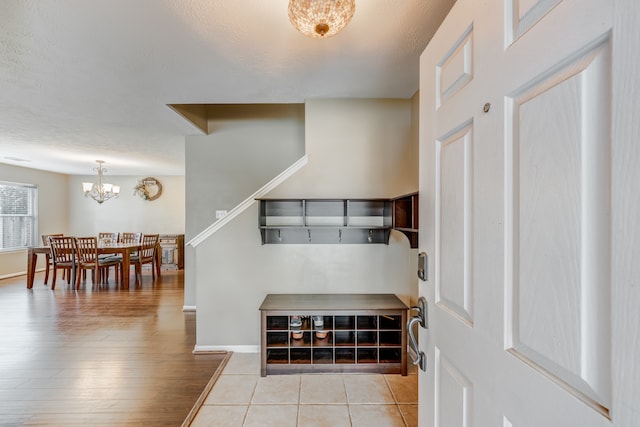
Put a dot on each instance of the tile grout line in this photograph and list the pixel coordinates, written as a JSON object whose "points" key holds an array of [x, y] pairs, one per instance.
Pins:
{"points": [[346, 395]]}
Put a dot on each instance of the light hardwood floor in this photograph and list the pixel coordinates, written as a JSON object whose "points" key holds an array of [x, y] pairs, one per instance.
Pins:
{"points": [[99, 356]]}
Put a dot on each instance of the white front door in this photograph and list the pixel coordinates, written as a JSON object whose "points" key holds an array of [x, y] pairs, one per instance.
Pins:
{"points": [[529, 193]]}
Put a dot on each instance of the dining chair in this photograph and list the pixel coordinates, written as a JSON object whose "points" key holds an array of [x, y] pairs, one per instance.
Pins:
{"points": [[63, 257], [113, 237], [130, 237], [127, 237], [87, 252], [147, 255], [110, 238], [45, 242]]}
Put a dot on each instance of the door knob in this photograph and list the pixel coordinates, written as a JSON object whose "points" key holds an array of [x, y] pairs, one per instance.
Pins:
{"points": [[418, 357]]}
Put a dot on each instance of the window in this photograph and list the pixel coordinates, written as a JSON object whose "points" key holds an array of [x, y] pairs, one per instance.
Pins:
{"points": [[18, 215]]}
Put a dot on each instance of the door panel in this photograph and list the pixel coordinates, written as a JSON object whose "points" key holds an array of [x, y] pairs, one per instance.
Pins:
{"points": [[558, 216], [516, 184], [455, 69], [454, 394], [454, 286], [524, 14]]}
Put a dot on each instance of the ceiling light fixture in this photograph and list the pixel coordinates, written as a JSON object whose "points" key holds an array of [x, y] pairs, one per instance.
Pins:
{"points": [[100, 191], [321, 18]]}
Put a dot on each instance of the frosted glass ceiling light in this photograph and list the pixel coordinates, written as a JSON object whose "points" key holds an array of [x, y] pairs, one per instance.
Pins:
{"points": [[321, 18]]}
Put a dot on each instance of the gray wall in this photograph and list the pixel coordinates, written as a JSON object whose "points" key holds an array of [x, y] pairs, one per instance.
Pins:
{"points": [[356, 148], [247, 147]]}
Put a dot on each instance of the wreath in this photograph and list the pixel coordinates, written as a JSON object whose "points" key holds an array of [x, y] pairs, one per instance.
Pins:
{"points": [[148, 188]]}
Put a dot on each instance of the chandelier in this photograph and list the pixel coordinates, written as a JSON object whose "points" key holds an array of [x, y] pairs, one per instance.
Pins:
{"points": [[100, 191], [321, 18]]}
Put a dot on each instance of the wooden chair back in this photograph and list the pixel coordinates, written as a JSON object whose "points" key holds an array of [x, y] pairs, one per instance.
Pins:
{"points": [[62, 250], [110, 237], [86, 251], [149, 243], [130, 237], [45, 238]]}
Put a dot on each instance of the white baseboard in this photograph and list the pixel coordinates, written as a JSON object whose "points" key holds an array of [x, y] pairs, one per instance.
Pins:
{"points": [[188, 308], [235, 348], [19, 273]]}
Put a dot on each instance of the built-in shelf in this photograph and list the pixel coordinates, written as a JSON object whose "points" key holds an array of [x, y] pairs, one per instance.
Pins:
{"points": [[325, 220], [358, 333], [298, 221]]}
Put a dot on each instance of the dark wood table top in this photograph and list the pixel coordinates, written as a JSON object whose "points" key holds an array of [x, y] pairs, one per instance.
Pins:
{"points": [[342, 302]]}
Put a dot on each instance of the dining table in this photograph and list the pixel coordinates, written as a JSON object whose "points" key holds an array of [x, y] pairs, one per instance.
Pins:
{"points": [[32, 259], [123, 249]]}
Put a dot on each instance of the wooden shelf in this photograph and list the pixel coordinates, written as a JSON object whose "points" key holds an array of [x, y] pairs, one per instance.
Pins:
{"points": [[364, 333], [405, 217], [337, 221], [318, 221]]}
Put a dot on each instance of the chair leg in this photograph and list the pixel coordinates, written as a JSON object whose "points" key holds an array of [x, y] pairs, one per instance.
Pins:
{"points": [[78, 274], [53, 280], [138, 273], [46, 270]]}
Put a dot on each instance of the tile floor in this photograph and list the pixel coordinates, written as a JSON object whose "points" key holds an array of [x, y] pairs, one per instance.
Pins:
{"points": [[241, 397]]}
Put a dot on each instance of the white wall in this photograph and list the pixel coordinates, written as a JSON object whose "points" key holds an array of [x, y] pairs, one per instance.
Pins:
{"points": [[356, 148], [53, 208], [165, 215], [64, 209]]}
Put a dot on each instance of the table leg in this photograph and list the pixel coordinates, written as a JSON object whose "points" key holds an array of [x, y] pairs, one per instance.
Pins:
{"points": [[158, 261], [74, 271], [126, 266], [32, 258]]}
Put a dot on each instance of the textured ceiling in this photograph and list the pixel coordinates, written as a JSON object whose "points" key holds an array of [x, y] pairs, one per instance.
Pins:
{"points": [[86, 80]]}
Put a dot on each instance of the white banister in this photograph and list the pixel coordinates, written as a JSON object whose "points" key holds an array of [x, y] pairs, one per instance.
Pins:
{"points": [[204, 234]]}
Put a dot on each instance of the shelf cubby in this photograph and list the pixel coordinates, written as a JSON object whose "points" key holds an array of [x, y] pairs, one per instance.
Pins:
{"points": [[390, 322], [405, 217], [277, 356], [367, 355], [300, 355], [367, 322], [344, 338], [390, 338], [345, 355], [322, 355], [278, 323], [367, 338], [277, 339], [345, 322]]}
